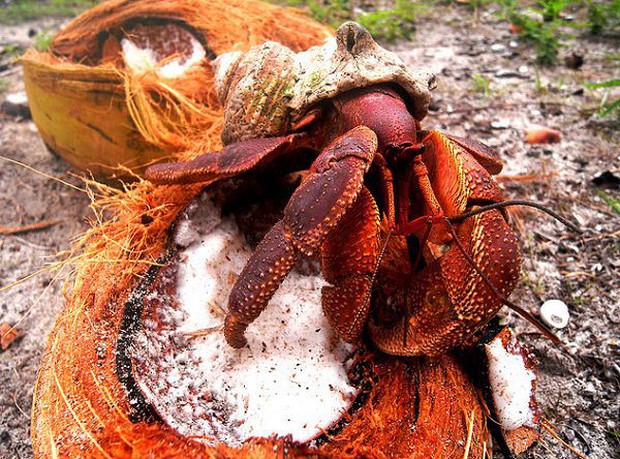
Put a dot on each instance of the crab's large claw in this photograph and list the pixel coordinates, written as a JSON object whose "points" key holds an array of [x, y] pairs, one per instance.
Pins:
{"points": [[333, 184], [450, 298], [233, 159]]}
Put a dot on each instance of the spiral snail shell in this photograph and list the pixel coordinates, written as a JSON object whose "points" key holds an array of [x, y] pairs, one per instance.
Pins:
{"points": [[268, 88]]}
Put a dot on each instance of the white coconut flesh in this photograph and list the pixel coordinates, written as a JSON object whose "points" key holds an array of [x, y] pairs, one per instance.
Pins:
{"points": [[512, 382], [290, 379], [168, 49]]}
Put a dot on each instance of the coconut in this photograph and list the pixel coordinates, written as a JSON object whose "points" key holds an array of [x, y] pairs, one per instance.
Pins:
{"points": [[128, 83]]}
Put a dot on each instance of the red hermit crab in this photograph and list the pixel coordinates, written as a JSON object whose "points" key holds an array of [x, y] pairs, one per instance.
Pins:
{"points": [[391, 208]]}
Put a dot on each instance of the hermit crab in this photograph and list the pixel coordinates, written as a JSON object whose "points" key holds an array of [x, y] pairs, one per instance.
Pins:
{"points": [[408, 223]]}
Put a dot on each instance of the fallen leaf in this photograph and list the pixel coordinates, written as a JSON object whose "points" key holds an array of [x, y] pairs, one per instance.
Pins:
{"points": [[8, 335], [514, 28], [542, 135], [574, 61]]}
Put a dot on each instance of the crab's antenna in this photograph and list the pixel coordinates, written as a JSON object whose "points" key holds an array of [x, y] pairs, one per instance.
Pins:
{"points": [[543, 329], [516, 202]]}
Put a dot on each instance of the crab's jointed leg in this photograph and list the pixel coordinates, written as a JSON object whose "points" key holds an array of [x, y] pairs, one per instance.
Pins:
{"points": [[334, 182], [448, 300]]}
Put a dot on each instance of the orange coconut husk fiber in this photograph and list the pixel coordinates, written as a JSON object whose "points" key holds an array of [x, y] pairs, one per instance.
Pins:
{"points": [[97, 114], [80, 407]]}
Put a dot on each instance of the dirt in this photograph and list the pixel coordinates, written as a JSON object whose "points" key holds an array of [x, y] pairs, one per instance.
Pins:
{"points": [[578, 380]]}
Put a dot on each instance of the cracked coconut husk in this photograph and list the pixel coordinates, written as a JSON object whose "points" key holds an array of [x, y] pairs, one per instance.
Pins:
{"points": [[130, 82]]}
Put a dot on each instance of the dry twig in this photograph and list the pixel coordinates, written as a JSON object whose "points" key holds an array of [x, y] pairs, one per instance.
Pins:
{"points": [[28, 228]]}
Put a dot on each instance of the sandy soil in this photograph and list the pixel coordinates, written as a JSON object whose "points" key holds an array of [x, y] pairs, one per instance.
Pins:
{"points": [[578, 381], [27, 198]]}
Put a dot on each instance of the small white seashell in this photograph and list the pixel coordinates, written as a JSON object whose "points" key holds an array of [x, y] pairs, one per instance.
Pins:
{"points": [[555, 313]]}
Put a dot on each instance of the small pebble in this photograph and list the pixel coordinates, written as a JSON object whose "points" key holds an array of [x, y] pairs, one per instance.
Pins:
{"points": [[589, 389], [497, 47], [506, 73], [524, 69], [16, 104], [500, 124], [554, 313]]}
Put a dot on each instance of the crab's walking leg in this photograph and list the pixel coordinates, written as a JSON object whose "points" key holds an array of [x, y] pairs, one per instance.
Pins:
{"points": [[333, 184], [231, 160], [349, 257], [484, 155]]}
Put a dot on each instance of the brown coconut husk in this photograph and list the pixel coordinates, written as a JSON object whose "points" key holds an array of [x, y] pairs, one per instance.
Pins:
{"points": [[98, 115], [414, 409]]}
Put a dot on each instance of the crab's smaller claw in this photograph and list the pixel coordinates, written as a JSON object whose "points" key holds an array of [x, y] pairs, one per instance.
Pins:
{"points": [[233, 159]]}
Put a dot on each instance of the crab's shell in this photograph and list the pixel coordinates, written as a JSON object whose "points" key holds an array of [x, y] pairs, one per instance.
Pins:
{"points": [[270, 87]]}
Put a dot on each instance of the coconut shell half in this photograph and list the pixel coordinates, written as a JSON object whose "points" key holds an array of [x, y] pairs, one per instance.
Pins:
{"points": [[101, 113]]}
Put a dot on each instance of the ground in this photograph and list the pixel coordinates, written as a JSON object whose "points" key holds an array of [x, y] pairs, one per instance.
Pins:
{"points": [[490, 89]]}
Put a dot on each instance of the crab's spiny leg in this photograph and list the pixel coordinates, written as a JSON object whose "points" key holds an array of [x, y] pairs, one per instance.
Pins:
{"points": [[387, 188], [450, 298], [333, 184], [349, 258], [548, 333], [260, 278], [233, 159]]}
